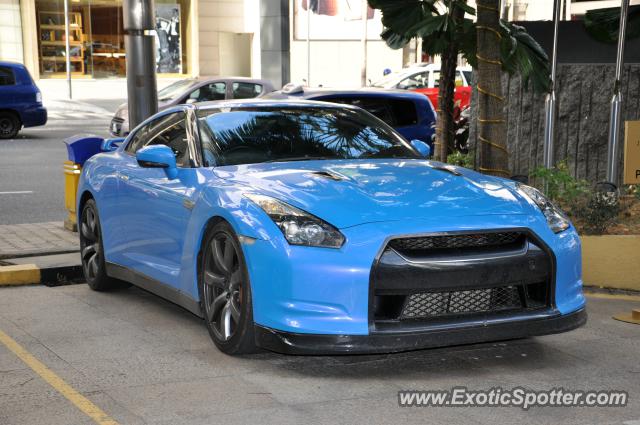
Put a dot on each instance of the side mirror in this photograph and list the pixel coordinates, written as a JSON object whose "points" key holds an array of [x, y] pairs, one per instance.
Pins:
{"points": [[158, 156], [422, 148], [110, 145]]}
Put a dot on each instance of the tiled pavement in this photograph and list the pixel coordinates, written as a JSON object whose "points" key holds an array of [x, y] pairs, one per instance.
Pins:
{"points": [[21, 240]]}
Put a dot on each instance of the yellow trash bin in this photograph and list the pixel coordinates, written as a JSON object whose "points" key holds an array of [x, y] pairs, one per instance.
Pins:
{"points": [[71, 177]]}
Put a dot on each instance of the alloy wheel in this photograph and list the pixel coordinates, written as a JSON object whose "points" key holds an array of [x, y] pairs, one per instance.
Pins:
{"points": [[222, 276], [90, 243]]}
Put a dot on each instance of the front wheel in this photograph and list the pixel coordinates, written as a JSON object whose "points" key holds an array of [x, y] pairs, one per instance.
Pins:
{"points": [[225, 292], [91, 250]]}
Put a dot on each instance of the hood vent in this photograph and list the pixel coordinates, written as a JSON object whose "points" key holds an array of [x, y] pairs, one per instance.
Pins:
{"points": [[446, 169], [327, 175]]}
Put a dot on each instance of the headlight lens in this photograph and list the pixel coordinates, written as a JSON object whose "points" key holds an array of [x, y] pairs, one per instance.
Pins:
{"points": [[556, 219], [297, 226]]}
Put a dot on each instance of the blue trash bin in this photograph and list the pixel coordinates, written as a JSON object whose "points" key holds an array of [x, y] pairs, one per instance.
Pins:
{"points": [[82, 147]]}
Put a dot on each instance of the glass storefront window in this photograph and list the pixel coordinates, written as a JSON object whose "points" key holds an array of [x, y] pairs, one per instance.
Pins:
{"points": [[96, 38]]}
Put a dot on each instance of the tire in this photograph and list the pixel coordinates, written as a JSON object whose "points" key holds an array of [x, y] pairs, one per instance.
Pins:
{"points": [[92, 252], [9, 125], [225, 292]]}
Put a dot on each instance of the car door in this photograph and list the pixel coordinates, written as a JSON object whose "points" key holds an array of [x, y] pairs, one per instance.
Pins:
{"points": [[155, 210]]}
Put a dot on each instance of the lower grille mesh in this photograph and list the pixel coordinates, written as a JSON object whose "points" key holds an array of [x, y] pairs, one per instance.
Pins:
{"points": [[435, 304]]}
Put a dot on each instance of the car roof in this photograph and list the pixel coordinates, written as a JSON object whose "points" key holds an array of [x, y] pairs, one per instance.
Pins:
{"points": [[269, 103], [313, 93], [9, 64], [262, 81]]}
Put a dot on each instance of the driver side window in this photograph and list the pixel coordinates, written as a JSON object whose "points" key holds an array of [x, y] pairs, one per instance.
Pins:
{"points": [[416, 81], [169, 130]]}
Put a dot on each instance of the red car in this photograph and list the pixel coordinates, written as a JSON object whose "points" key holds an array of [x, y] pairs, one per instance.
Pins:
{"points": [[425, 79]]}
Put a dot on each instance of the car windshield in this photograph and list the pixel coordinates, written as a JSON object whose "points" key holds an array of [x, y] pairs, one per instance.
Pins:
{"points": [[391, 79], [173, 90], [249, 135]]}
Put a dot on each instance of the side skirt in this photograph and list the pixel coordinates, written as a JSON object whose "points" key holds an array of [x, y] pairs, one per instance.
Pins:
{"points": [[155, 287]]}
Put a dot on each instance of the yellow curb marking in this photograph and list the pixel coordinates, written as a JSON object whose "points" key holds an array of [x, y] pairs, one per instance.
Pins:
{"points": [[621, 297], [22, 274], [78, 400]]}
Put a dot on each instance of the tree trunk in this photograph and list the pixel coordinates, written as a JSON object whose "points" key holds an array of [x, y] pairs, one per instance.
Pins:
{"points": [[493, 157], [445, 131]]}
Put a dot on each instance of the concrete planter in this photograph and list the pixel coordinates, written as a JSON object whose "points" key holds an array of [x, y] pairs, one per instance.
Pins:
{"points": [[611, 261]]}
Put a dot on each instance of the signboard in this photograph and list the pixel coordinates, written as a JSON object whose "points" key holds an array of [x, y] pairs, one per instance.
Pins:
{"points": [[632, 152], [334, 20], [168, 46]]}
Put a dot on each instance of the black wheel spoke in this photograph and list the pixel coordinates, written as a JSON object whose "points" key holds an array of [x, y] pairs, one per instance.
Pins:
{"points": [[217, 303], [235, 308], [229, 254], [218, 256], [87, 233], [213, 279], [225, 321], [88, 250]]}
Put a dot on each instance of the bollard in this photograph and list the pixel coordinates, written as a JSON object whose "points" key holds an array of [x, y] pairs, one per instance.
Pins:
{"points": [[71, 177]]}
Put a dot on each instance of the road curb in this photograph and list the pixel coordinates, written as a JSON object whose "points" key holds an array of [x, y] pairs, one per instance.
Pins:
{"points": [[20, 274], [31, 274]]}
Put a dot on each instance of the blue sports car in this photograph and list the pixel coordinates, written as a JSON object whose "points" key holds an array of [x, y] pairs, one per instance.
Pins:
{"points": [[311, 227]]}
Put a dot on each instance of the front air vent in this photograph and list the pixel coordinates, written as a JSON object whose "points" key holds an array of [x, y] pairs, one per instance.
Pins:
{"points": [[327, 175]]}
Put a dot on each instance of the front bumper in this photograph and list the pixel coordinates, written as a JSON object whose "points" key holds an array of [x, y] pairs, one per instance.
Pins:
{"points": [[490, 329], [320, 291]]}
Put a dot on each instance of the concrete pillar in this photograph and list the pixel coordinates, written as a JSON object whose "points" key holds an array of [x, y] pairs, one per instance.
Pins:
{"points": [[274, 41]]}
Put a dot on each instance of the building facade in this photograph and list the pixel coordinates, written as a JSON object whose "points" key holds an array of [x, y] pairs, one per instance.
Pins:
{"points": [[317, 42]]}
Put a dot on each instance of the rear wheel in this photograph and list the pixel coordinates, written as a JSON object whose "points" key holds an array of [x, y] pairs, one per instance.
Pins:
{"points": [[225, 292], [91, 250], [9, 125]]}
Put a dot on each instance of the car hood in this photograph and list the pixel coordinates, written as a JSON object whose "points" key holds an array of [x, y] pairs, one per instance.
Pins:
{"points": [[123, 109], [350, 192]]}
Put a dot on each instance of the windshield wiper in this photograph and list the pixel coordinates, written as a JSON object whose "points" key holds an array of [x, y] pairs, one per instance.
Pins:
{"points": [[302, 158]]}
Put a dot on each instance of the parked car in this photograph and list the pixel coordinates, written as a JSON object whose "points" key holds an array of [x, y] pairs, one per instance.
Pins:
{"points": [[195, 90], [20, 100], [410, 114], [425, 79], [310, 227]]}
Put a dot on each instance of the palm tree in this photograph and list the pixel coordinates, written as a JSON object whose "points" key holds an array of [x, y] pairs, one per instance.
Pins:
{"points": [[446, 30]]}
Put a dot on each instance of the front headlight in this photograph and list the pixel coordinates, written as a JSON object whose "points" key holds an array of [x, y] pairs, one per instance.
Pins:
{"points": [[556, 219], [297, 226]]}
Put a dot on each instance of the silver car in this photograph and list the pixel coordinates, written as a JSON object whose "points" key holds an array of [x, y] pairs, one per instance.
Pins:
{"points": [[195, 90]]}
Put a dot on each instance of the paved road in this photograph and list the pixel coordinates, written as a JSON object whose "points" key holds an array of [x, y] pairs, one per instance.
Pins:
{"points": [[32, 164], [145, 361]]}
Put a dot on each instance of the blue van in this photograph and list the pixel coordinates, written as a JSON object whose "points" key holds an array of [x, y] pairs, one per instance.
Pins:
{"points": [[410, 114], [20, 100]]}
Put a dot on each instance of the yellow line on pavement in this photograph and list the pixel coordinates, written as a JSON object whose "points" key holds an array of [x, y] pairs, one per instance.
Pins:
{"points": [[621, 297], [78, 400]]}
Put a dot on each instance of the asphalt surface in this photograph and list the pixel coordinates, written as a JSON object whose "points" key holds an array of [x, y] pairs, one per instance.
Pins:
{"points": [[145, 361], [31, 177]]}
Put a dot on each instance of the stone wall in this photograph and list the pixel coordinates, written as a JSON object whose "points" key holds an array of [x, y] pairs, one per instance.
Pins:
{"points": [[584, 94]]}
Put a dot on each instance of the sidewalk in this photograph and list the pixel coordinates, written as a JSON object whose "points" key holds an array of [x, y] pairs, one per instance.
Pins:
{"points": [[36, 239]]}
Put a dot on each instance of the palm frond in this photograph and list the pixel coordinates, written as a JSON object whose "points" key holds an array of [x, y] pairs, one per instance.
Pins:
{"points": [[604, 24]]}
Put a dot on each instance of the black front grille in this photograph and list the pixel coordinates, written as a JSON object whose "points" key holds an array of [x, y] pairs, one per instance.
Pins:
{"points": [[456, 241], [456, 276], [437, 304]]}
